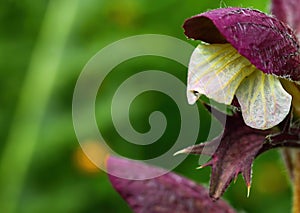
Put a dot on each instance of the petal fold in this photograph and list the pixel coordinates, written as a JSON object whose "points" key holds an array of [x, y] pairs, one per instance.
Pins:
{"points": [[216, 70], [264, 102], [266, 42]]}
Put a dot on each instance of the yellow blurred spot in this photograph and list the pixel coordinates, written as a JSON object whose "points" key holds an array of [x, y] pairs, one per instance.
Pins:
{"points": [[91, 156], [124, 13]]}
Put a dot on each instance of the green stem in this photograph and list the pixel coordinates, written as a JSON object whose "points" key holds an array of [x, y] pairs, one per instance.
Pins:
{"points": [[294, 154], [296, 182], [287, 157], [34, 96]]}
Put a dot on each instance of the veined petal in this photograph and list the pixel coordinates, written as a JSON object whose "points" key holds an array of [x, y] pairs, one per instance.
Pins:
{"points": [[264, 102], [216, 70]]}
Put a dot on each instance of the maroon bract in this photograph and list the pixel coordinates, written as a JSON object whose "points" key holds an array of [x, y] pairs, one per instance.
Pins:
{"points": [[166, 193], [235, 154]]}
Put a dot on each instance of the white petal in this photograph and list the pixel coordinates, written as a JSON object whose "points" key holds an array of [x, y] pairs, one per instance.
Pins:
{"points": [[264, 102], [216, 70]]}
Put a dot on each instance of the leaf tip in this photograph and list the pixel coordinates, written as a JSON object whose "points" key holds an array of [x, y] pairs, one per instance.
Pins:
{"points": [[210, 163], [235, 179], [248, 190], [183, 151]]}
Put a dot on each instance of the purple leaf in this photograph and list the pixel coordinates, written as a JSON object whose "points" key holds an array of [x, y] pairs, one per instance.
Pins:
{"points": [[166, 193], [266, 42], [235, 154], [288, 12]]}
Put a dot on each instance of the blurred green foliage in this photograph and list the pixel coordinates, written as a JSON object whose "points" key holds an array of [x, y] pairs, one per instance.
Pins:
{"points": [[44, 46]]}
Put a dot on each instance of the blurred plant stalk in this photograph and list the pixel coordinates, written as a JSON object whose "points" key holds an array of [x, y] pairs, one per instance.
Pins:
{"points": [[33, 100], [294, 154]]}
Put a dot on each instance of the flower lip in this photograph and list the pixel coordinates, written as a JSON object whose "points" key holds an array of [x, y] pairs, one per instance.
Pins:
{"points": [[219, 72], [266, 42]]}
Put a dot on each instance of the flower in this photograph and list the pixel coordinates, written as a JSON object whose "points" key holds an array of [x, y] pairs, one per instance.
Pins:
{"points": [[246, 54], [255, 57]]}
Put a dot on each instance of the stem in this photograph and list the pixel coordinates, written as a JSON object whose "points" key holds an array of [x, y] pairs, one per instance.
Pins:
{"points": [[33, 100], [294, 90], [286, 154], [296, 182]]}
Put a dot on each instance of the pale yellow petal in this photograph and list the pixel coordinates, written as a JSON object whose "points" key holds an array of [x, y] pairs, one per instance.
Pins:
{"points": [[264, 102], [216, 70]]}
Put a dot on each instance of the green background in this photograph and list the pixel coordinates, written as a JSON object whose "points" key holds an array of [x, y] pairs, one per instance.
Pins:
{"points": [[43, 47]]}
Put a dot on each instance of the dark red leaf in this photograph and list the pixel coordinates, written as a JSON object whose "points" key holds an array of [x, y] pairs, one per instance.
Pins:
{"points": [[235, 154], [266, 42], [166, 193], [288, 12]]}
